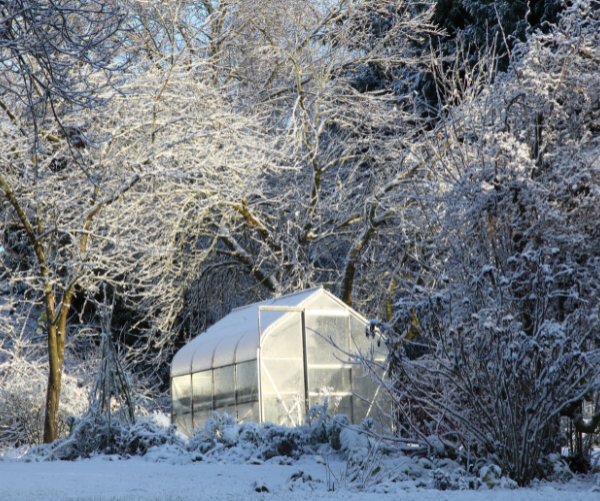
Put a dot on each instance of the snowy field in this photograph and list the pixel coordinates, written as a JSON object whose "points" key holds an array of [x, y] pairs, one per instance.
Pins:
{"points": [[111, 479]]}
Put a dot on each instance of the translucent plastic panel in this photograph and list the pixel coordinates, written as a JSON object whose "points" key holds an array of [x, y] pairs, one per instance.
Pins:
{"points": [[363, 344], [323, 302], [200, 418], [319, 329], [282, 376], [328, 380], [248, 412], [370, 400], [282, 371], [182, 361], [360, 341], [184, 423], [224, 387], [247, 382], [203, 391], [289, 410], [285, 340], [269, 317], [181, 395], [362, 410], [295, 299], [203, 357], [225, 350], [344, 406], [377, 411], [246, 348], [229, 410], [363, 384], [337, 404]]}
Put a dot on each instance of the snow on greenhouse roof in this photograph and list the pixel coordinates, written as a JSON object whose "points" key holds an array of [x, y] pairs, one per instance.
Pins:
{"points": [[234, 338]]}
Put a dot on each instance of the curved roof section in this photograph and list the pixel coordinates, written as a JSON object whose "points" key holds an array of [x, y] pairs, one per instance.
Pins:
{"points": [[234, 338]]}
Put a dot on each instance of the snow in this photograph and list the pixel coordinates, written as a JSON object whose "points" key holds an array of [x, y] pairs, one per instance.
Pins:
{"points": [[110, 478], [231, 461]]}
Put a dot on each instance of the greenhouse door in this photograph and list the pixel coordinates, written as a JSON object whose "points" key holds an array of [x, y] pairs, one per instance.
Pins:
{"points": [[329, 374], [283, 396]]}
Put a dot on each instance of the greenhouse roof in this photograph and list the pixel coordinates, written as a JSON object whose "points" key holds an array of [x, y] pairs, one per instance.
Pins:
{"points": [[234, 338]]}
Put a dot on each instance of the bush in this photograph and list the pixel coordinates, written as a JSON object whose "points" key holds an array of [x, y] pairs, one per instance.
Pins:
{"points": [[269, 440], [91, 435], [23, 383], [498, 340]]}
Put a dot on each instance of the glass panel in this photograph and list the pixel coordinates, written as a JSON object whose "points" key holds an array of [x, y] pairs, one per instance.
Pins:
{"points": [[288, 410], [247, 382], [248, 412], [285, 341], [319, 329], [181, 395], [224, 387], [329, 380], [202, 388]]}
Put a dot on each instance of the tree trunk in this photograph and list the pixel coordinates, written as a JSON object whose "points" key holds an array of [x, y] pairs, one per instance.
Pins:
{"points": [[56, 354], [53, 391], [352, 259]]}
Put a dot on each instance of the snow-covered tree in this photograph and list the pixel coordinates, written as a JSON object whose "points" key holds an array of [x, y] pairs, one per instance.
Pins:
{"points": [[55, 59], [291, 177], [498, 339]]}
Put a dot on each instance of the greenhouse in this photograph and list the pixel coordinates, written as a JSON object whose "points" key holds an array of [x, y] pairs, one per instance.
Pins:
{"points": [[272, 361]]}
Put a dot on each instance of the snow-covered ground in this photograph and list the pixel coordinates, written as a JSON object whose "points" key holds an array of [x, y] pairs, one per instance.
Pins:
{"points": [[108, 478], [231, 461]]}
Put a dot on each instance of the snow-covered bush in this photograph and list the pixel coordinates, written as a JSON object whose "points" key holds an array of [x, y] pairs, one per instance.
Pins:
{"points": [[97, 434], [498, 340], [457, 480], [266, 441]]}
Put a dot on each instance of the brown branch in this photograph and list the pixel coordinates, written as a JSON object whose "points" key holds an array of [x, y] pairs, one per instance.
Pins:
{"points": [[255, 223], [35, 242], [244, 257]]}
